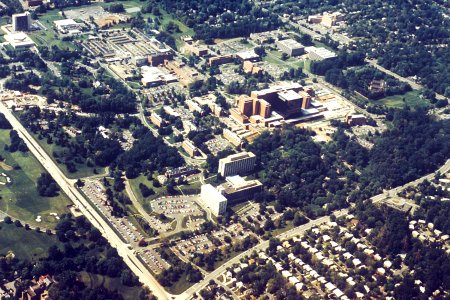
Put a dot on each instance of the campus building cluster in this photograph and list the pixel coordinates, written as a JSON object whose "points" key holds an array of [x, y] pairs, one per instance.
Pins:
{"points": [[327, 19], [269, 107]]}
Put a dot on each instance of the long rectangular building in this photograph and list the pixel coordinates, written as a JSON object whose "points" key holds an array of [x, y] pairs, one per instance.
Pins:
{"points": [[237, 164]]}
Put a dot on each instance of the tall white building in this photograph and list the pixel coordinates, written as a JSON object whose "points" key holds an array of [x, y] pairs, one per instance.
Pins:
{"points": [[237, 164], [21, 22], [213, 199]]}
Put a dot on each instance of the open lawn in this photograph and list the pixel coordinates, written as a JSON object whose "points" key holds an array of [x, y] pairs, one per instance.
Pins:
{"points": [[112, 284], [134, 183], [412, 99], [274, 57], [20, 198], [50, 37], [26, 244]]}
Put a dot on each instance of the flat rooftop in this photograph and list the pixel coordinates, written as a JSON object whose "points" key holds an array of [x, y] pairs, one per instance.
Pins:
{"points": [[291, 43], [289, 95], [238, 156]]}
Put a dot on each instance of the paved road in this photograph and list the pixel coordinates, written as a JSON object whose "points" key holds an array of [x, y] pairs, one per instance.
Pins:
{"points": [[412, 83], [260, 247], [301, 230], [87, 208], [393, 192]]}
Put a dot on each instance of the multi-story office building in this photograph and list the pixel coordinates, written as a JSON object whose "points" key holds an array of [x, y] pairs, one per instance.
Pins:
{"points": [[238, 189], [21, 22], [237, 164], [213, 199], [291, 47]]}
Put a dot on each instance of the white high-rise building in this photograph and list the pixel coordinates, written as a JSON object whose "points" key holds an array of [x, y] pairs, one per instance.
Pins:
{"points": [[237, 164], [213, 199], [21, 22]]}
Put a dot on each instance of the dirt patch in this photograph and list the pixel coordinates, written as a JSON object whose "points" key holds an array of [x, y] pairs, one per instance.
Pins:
{"points": [[5, 166]]}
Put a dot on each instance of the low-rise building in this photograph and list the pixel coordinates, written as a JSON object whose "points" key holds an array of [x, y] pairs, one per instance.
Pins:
{"points": [[19, 40], [67, 26], [247, 56], [291, 47], [157, 120], [232, 137], [220, 60], [190, 148], [196, 49], [356, 120], [319, 53]]}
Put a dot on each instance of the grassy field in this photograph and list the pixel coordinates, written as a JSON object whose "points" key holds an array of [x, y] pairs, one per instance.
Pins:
{"points": [[49, 37], [274, 57], [26, 244], [20, 198], [412, 99], [134, 183], [112, 284]]}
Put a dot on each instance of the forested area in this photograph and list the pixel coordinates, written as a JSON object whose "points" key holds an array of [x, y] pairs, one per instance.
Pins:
{"points": [[300, 173], [359, 79], [81, 247], [220, 18], [149, 153], [294, 173], [74, 86], [415, 145], [409, 38], [12, 7]]}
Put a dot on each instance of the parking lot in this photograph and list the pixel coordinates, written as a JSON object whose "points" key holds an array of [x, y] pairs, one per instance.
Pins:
{"points": [[154, 260], [218, 144], [95, 191], [197, 244], [176, 206]]}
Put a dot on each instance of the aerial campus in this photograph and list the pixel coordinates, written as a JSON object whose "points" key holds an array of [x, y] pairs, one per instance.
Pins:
{"points": [[224, 149]]}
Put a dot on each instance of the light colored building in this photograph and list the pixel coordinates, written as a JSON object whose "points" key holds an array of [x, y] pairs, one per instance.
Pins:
{"points": [[291, 47], [21, 22], [237, 188], [67, 26], [327, 19], [157, 120], [190, 148], [19, 40], [213, 199], [316, 53], [232, 137], [237, 164], [153, 76], [249, 55], [330, 20], [196, 49]]}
